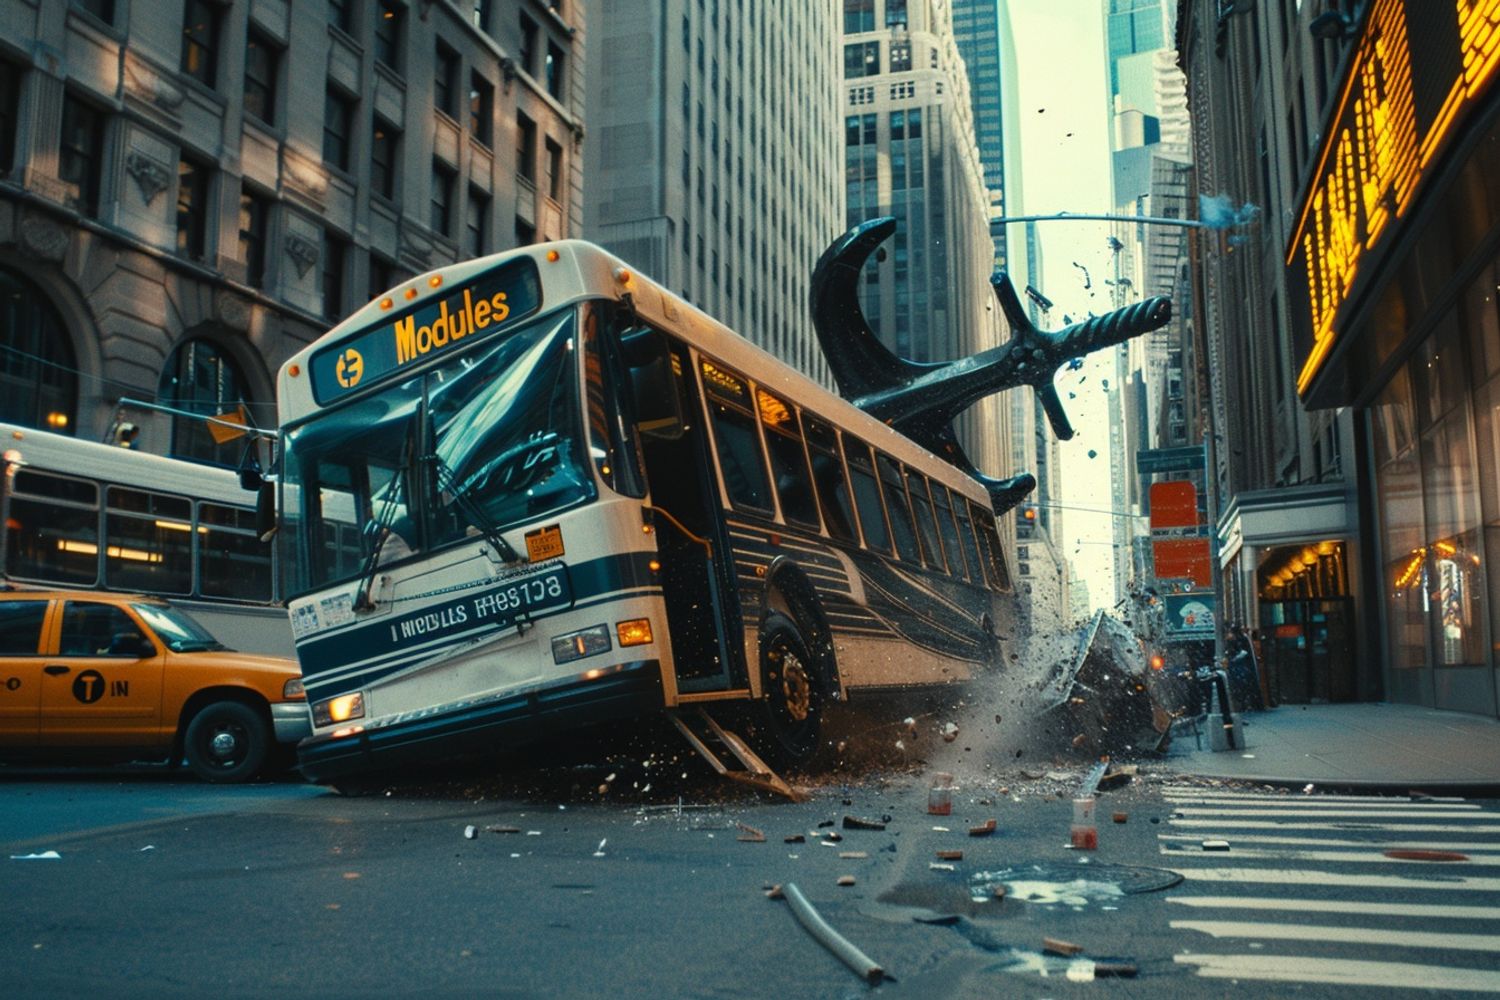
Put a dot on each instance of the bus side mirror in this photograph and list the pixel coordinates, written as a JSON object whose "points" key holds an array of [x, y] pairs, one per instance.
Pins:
{"points": [[249, 470], [265, 509], [658, 400]]}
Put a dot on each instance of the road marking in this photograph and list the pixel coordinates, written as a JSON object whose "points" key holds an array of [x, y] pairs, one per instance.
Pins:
{"points": [[1300, 876], [1436, 979], [1384, 845], [1315, 804], [1342, 935], [1252, 824], [1349, 813], [1183, 793], [1342, 857], [1436, 911]]}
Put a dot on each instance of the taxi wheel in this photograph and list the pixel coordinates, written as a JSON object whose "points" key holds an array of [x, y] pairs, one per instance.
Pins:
{"points": [[227, 741]]}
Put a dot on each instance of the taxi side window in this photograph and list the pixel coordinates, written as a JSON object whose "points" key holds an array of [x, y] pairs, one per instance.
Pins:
{"points": [[92, 630], [21, 627]]}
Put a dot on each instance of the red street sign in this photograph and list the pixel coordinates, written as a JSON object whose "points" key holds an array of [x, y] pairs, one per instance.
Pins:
{"points": [[1183, 559], [1174, 504]]}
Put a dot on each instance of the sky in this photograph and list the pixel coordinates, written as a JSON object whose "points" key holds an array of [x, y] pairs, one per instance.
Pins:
{"points": [[1066, 167]]}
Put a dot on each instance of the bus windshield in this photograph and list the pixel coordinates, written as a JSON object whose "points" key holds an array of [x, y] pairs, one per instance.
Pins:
{"points": [[489, 439]]}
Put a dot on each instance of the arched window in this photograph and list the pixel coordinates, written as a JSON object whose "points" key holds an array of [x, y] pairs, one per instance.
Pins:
{"points": [[38, 370], [202, 379]]}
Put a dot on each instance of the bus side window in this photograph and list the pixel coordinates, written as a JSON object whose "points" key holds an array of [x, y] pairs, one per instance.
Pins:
{"points": [[148, 542], [740, 460], [232, 560], [989, 541], [788, 460], [966, 538], [948, 531], [828, 479], [867, 495], [52, 529], [899, 507], [932, 552]]}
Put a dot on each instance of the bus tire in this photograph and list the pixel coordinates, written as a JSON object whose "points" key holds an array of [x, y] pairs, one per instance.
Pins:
{"points": [[792, 694], [226, 741]]}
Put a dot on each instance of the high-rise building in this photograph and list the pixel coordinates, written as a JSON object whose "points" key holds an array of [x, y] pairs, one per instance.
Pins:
{"points": [[976, 30], [191, 191], [911, 153], [713, 155]]}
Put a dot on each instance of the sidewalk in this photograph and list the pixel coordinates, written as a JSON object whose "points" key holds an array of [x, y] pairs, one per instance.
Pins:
{"points": [[1369, 746]]}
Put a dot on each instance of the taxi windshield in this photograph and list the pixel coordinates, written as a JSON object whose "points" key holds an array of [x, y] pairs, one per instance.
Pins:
{"points": [[489, 439], [177, 629]]}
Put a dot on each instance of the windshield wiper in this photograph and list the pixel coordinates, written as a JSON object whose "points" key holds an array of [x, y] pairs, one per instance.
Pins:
{"points": [[465, 500], [385, 516]]}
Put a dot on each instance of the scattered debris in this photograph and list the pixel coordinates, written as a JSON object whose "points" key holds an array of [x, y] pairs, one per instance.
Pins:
{"points": [[1057, 946], [1307, 789], [860, 823], [832, 837], [854, 855], [998, 891], [950, 732], [1120, 817], [499, 828], [868, 970], [774, 892], [599, 851], [940, 866], [1216, 845], [43, 856], [148, 847], [471, 832], [983, 829], [846, 880], [795, 838], [1114, 970], [940, 794], [950, 855], [1426, 856], [750, 834], [1117, 777]]}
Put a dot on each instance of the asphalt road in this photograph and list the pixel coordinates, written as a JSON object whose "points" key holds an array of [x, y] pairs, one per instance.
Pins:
{"points": [[165, 887]]}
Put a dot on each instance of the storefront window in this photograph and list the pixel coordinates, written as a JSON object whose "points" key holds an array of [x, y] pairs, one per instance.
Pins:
{"points": [[1401, 523], [1482, 323]]}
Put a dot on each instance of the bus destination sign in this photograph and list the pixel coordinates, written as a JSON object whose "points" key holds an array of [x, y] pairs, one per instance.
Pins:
{"points": [[485, 305]]}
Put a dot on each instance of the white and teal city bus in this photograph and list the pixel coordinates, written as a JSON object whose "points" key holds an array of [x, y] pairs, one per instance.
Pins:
{"points": [[79, 514], [538, 490]]}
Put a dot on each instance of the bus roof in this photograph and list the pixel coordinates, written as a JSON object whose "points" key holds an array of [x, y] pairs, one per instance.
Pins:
{"points": [[576, 270]]}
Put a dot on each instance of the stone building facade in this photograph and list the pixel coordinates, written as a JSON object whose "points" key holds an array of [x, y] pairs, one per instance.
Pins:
{"points": [[192, 190]]}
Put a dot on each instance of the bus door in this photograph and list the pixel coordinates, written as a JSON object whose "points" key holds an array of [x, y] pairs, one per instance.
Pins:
{"points": [[696, 564]]}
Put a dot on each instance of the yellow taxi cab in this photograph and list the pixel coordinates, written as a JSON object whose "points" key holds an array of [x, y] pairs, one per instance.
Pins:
{"points": [[124, 677]]}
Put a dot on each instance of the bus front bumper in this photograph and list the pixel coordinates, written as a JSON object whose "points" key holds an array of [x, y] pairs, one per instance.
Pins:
{"points": [[476, 727]]}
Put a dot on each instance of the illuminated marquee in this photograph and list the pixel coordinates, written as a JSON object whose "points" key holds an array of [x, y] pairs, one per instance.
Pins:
{"points": [[486, 304], [1377, 151]]}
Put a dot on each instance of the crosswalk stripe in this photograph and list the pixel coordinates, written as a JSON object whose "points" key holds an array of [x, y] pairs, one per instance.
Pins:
{"points": [[1344, 972], [1183, 793], [1313, 805], [1350, 813], [1342, 857], [1256, 824], [1433, 911], [1384, 845], [1299, 876], [1340, 935]]}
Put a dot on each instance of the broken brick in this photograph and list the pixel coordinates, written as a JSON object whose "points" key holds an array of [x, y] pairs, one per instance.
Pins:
{"points": [[750, 834], [983, 829], [846, 880], [950, 855], [1057, 946], [860, 823]]}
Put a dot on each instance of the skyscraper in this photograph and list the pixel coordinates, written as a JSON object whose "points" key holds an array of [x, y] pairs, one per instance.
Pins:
{"points": [[713, 155]]}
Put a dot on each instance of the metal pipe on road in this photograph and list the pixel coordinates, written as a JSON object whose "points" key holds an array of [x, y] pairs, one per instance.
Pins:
{"points": [[866, 967]]}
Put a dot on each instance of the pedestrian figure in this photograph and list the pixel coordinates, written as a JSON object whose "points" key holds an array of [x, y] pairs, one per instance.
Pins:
{"points": [[1244, 672]]}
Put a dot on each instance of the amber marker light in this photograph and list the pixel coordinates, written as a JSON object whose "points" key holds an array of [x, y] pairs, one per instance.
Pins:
{"points": [[386, 302], [294, 370], [636, 632], [410, 294], [623, 275], [436, 281], [654, 565], [553, 256]]}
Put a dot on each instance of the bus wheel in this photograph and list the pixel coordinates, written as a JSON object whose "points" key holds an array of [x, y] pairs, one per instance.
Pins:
{"points": [[792, 707], [227, 741]]}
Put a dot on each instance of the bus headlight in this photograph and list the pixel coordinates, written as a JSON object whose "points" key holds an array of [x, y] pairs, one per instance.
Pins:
{"points": [[293, 689], [340, 709], [577, 645], [636, 632]]}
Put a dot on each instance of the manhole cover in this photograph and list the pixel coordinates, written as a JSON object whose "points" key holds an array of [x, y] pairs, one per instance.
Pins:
{"points": [[1073, 884]]}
